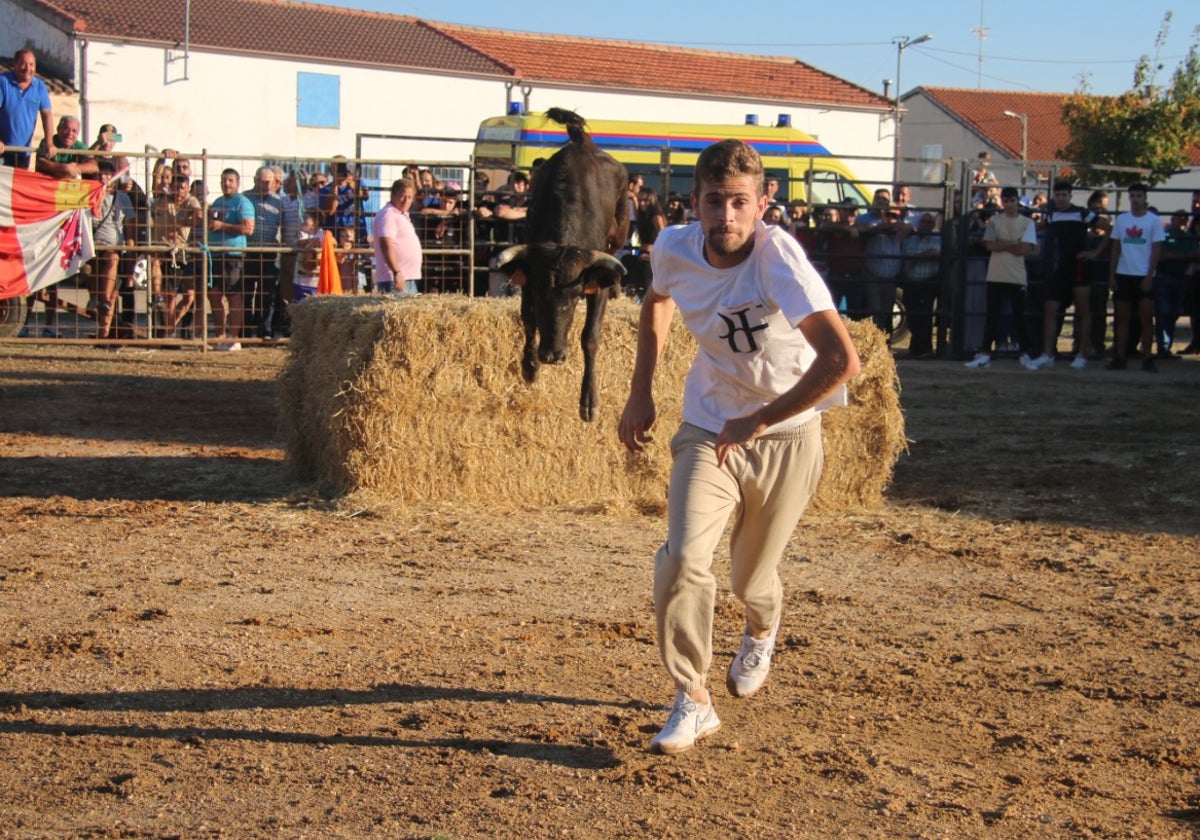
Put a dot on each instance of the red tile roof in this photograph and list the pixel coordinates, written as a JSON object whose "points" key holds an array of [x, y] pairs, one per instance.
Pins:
{"points": [[307, 30], [644, 66], [983, 112], [272, 27]]}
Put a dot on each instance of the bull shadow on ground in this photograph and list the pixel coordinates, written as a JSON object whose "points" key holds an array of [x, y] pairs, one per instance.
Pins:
{"points": [[141, 407], [216, 477], [202, 701]]}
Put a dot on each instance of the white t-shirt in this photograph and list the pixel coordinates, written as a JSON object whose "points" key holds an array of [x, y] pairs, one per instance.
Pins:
{"points": [[745, 320], [1137, 235]]}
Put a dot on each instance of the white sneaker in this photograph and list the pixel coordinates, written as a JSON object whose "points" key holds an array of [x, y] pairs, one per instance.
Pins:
{"points": [[981, 360], [750, 667], [1080, 362], [688, 723], [1043, 361], [1027, 362]]}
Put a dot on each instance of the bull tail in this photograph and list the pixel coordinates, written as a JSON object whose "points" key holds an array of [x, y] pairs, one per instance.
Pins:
{"points": [[574, 123]]}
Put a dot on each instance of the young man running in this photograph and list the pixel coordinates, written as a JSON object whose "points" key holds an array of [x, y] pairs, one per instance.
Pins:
{"points": [[772, 352]]}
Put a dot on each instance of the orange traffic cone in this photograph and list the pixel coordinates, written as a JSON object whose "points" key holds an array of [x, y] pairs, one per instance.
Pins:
{"points": [[329, 279]]}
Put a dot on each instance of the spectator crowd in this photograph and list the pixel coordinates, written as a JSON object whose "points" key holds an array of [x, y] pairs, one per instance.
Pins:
{"points": [[247, 253]]}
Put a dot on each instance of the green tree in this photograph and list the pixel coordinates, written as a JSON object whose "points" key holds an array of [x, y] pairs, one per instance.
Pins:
{"points": [[1150, 126]]}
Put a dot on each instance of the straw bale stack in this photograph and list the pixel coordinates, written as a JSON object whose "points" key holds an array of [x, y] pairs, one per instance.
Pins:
{"points": [[422, 402]]}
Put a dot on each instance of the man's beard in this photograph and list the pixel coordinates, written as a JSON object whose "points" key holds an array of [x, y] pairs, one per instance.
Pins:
{"points": [[719, 240]]}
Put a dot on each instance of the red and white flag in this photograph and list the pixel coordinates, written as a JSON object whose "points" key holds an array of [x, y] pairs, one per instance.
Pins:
{"points": [[45, 229]]}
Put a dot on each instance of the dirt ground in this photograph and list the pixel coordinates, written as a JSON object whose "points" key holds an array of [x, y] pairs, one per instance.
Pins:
{"points": [[193, 645]]}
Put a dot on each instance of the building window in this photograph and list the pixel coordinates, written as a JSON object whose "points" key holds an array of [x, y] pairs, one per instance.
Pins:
{"points": [[318, 100], [934, 170]]}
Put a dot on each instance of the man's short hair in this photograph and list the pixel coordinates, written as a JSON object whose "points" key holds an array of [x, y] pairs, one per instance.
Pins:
{"points": [[1062, 186], [24, 51], [1009, 192], [106, 166], [726, 160], [1138, 187], [231, 171], [67, 119], [402, 184]]}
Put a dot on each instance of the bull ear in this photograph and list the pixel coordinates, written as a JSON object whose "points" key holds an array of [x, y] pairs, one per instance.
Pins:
{"points": [[604, 272], [511, 260], [601, 259]]}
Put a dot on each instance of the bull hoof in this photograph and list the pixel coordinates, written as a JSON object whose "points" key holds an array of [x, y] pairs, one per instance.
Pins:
{"points": [[529, 370], [587, 412]]}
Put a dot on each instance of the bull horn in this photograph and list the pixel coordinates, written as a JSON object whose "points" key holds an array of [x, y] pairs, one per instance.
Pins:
{"points": [[605, 259], [509, 254]]}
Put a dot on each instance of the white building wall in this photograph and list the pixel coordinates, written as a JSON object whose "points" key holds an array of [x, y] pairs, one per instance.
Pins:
{"points": [[246, 105]]}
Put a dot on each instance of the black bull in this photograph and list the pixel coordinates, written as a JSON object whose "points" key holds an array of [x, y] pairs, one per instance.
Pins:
{"points": [[578, 217]]}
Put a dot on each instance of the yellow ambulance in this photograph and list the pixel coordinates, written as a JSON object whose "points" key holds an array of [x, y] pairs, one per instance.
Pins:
{"points": [[665, 153]]}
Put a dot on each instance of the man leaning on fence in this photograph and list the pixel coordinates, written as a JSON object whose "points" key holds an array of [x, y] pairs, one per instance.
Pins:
{"points": [[262, 278], [397, 246], [23, 100], [230, 222], [112, 229], [55, 157], [922, 264]]}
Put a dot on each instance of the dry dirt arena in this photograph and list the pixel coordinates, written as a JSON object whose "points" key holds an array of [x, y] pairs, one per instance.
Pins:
{"points": [[194, 645]]}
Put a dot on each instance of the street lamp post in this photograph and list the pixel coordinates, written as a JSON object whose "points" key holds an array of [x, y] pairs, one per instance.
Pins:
{"points": [[902, 43], [1024, 118]]}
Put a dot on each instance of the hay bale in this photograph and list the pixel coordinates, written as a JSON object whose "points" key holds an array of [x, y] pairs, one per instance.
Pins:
{"points": [[422, 402], [864, 439]]}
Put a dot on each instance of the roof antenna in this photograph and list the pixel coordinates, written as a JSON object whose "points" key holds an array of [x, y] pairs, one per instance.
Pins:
{"points": [[982, 32]]}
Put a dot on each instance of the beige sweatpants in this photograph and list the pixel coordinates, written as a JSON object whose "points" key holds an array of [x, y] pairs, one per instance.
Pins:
{"points": [[765, 486]]}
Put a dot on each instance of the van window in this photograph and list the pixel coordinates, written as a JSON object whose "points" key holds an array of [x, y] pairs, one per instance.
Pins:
{"points": [[824, 188], [833, 188]]}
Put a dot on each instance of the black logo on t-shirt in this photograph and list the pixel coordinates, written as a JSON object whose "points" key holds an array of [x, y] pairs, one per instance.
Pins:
{"points": [[741, 327]]}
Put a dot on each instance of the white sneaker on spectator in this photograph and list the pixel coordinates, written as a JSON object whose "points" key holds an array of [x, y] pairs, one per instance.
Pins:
{"points": [[1080, 362], [688, 723], [1027, 362], [750, 667], [981, 360], [1043, 361]]}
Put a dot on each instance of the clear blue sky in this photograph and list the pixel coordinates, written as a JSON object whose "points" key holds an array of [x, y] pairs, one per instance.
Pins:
{"points": [[1045, 45]]}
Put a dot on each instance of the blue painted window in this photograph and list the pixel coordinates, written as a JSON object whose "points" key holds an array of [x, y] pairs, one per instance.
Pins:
{"points": [[318, 100]]}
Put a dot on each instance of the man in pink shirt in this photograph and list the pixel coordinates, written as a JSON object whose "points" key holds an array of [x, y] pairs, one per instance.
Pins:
{"points": [[397, 246]]}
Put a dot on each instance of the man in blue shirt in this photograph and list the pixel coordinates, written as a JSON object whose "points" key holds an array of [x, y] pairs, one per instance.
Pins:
{"points": [[230, 221], [262, 279], [23, 98]]}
